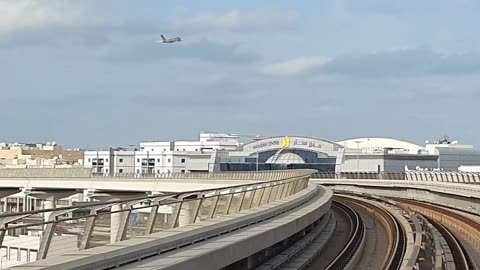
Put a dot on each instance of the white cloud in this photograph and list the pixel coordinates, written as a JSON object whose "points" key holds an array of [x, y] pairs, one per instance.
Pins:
{"points": [[21, 14], [294, 66], [236, 21]]}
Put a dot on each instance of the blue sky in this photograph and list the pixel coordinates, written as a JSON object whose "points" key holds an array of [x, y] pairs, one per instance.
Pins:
{"points": [[89, 73]]}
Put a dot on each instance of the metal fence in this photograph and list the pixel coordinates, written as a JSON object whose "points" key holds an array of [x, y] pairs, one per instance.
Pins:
{"points": [[88, 173], [456, 177], [49, 232]]}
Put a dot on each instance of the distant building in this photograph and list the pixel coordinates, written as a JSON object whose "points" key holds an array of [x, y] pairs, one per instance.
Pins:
{"points": [[161, 157], [392, 155], [224, 152], [283, 152], [49, 155]]}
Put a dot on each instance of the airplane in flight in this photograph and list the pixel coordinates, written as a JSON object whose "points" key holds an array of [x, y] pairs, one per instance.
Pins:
{"points": [[169, 40]]}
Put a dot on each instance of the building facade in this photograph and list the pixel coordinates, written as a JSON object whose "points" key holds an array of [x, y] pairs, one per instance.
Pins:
{"points": [[224, 152], [48, 155], [162, 157]]}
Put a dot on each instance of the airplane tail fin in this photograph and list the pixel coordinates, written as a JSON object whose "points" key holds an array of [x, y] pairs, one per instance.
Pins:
{"points": [[163, 38]]}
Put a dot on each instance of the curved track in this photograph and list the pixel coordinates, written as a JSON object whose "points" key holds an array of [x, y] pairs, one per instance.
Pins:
{"points": [[432, 213], [461, 258], [356, 237], [397, 237]]}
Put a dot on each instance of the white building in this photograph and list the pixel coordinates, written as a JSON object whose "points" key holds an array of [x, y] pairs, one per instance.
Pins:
{"points": [[392, 155], [214, 151], [161, 157], [452, 155]]}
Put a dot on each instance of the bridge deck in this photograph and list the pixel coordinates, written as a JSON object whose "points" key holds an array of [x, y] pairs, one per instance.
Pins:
{"points": [[221, 249], [120, 184], [211, 252]]}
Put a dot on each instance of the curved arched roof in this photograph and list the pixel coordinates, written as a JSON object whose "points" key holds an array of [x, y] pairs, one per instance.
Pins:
{"points": [[381, 143], [292, 142]]}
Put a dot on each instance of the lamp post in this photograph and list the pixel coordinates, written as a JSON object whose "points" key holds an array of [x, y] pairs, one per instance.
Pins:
{"points": [[134, 159], [358, 156], [96, 164]]}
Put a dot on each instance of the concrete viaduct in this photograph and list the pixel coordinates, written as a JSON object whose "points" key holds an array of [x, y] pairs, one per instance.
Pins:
{"points": [[228, 220]]}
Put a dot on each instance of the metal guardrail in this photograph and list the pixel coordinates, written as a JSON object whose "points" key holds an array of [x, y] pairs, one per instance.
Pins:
{"points": [[83, 226], [456, 177], [89, 173], [45, 173], [238, 175]]}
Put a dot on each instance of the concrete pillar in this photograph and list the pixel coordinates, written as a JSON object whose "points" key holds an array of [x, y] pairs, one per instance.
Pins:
{"points": [[48, 204], [24, 203], [115, 221]]}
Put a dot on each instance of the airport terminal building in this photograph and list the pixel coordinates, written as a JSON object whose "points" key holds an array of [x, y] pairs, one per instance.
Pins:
{"points": [[285, 152], [225, 152]]}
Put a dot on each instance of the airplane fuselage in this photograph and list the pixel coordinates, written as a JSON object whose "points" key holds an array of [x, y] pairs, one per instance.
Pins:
{"points": [[171, 40]]}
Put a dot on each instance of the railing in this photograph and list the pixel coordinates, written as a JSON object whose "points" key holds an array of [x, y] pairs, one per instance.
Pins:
{"points": [[45, 173], [51, 232], [89, 173], [460, 177], [249, 175]]}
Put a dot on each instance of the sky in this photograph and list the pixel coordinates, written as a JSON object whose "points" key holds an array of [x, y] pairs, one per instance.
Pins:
{"points": [[90, 73]]}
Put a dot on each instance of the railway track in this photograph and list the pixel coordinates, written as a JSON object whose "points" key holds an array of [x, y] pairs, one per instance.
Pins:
{"points": [[357, 235], [460, 257], [451, 225], [397, 237]]}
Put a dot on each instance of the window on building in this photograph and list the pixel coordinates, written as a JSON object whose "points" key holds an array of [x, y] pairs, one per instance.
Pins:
{"points": [[106, 160], [153, 149], [120, 160], [106, 170], [120, 170], [158, 160], [183, 160], [183, 149], [183, 171], [178, 149], [138, 160], [196, 149], [158, 171], [168, 171], [89, 160], [138, 171], [169, 160]]}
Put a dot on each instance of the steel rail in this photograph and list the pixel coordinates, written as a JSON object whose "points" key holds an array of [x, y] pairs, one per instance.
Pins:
{"points": [[397, 237], [461, 256], [356, 236]]}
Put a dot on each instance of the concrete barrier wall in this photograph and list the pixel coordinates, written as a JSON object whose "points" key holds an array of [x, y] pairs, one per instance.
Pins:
{"points": [[454, 177], [46, 173]]}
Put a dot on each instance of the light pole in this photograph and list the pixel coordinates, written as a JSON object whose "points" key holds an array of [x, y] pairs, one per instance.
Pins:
{"points": [[358, 156], [96, 164], [134, 159]]}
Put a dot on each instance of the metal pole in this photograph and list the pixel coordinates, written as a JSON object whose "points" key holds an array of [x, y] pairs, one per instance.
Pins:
{"points": [[257, 162], [96, 170], [358, 157]]}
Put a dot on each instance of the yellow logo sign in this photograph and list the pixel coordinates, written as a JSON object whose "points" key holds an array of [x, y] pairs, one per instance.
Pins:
{"points": [[285, 142]]}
